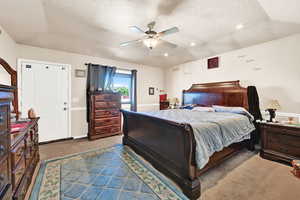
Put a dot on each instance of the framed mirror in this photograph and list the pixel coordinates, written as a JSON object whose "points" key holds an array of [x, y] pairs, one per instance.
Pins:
{"points": [[14, 83]]}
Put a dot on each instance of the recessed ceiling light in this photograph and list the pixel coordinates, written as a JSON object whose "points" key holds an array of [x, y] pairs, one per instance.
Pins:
{"points": [[166, 54], [239, 26], [193, 44]]}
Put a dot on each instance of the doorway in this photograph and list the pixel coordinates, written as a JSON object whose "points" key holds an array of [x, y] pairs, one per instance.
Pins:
{"points": [[45, 87]]}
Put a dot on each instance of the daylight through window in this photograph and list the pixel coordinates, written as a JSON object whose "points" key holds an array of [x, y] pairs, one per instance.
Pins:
{"points": [[122, 84]]}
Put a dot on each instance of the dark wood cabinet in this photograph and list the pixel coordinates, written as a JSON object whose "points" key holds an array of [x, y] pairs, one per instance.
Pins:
{"points": [[18, 151], [164, 105], [24, 157], [280, 142], [104, 116], [6, 96]]}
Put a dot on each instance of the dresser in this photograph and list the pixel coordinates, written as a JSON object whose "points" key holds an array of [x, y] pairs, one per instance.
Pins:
{"points": [[104, 115], [280, 142], [6, 96], [164, 105], [24, 150]]}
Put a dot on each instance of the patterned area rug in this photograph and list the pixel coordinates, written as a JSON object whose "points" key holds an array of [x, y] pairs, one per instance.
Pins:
{"points": [[115, 173]]}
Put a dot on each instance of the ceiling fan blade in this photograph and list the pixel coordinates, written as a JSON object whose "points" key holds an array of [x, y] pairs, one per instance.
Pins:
{"points": [[136, 29], [169, 44], [168, 31], [123, 44]]}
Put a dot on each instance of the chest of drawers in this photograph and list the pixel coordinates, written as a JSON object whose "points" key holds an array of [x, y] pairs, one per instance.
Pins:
{"points": [[104, 116], [280, 142], [5, 166], [24, 157]]}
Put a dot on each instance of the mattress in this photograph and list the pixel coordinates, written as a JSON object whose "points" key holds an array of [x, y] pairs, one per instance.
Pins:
{"points": [[213, 131]]}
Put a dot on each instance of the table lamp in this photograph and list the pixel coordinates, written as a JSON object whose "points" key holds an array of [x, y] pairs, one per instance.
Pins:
{"points": [[174, 101], [271, 108]]}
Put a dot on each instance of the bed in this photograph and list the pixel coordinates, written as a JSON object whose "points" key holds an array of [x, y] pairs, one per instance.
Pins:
{"points": [[170, 145]]}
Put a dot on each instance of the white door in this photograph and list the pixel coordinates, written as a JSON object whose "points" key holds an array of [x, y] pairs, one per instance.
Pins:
{"points": [[45, 88]]}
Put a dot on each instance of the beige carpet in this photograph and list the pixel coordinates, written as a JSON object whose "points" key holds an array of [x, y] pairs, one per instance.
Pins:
{"points": [[250, 177], [246, 176]]}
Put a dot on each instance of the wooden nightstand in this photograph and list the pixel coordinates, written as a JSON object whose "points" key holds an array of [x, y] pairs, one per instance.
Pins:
{"points": [[280, 142], [164, 105]]}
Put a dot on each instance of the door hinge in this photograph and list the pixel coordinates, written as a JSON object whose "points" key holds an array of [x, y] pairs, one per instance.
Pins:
{"points": [[63, 68]]}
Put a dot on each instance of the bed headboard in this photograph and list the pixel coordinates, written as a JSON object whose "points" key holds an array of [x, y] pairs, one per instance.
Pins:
{"points": [[229, 93]]}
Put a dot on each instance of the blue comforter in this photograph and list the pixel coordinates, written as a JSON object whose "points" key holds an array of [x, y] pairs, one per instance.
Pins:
{"points": [[212, 130]]}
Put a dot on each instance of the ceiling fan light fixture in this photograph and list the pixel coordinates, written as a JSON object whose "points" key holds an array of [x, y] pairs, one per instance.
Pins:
{"points": [[151, 38], [239, 26], [150, 42], [192, 44]]}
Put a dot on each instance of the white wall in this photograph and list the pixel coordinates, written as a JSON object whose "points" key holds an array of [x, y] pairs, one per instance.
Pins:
{"points": [[8, 52], [273, 67], [146, 77]]}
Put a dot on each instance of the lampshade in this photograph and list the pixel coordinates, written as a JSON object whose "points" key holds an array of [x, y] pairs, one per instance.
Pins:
{"points": [[150, 42], [174, 100], [273, 104]]}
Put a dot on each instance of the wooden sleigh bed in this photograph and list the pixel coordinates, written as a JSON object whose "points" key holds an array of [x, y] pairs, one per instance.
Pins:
{"points": [[170, 147]]}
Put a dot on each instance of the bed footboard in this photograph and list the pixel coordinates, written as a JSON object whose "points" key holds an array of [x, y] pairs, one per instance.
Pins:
{"points": [[168, 146]]}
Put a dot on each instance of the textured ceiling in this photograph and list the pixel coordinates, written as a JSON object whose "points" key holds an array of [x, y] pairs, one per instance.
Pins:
{"points": [[282, 10], [96, 27]]}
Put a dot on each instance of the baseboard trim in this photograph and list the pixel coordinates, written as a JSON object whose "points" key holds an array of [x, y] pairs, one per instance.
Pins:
{"points": [[79, 137], [58, 140]]}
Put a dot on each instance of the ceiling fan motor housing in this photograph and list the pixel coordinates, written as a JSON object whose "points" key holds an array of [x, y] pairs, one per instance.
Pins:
{"points": [[151, 33]]}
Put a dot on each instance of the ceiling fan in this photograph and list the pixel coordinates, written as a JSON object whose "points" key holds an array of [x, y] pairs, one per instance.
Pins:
{"points": [[151, 38]]}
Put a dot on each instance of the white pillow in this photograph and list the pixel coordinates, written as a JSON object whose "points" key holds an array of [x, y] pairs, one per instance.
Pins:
{"points": [[237, 110], [203, 109]]}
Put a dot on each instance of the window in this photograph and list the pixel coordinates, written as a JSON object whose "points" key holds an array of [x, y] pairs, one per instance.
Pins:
{"points": [[122, 84]]}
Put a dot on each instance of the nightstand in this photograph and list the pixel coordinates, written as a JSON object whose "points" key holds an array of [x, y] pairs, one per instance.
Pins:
{"points": [[164, 105], [280, 142]]}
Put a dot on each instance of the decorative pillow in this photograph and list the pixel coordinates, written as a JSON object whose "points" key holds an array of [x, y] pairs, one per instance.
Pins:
{"points": [[237, 110], [203, 109]]}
